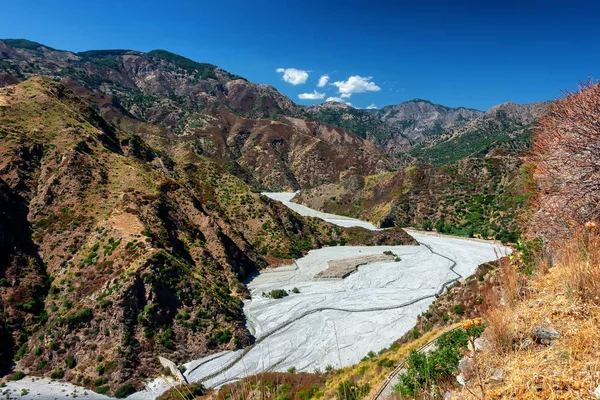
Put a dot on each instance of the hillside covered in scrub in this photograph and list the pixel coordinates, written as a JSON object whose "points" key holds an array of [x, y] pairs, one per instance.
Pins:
{"points": [[473, 197]]}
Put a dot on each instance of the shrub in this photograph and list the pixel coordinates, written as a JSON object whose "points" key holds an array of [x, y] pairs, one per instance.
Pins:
{"points": [[414, 333], [565, 163], [459, 309], [124, 391], [71, 362], [386, 362], [102, 389], [426, 373], [291, 370], [18, 375], [278, 293], [57, 374]]}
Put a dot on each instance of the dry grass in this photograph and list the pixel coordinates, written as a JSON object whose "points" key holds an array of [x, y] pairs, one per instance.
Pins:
{"points": [[564, 298], [580, 263]]}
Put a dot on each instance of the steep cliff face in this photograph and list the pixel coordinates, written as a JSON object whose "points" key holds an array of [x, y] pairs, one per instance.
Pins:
{"points": [[258, 133], [417, 119], [116, 249]]}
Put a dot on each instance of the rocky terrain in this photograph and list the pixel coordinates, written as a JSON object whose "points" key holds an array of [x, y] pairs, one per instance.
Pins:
{"points": [[395, 128], [116, 249], [256, 132], [503, 129]]}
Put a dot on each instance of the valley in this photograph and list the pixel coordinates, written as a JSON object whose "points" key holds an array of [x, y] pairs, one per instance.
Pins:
{"points": [[153, 206], [322, 324]]}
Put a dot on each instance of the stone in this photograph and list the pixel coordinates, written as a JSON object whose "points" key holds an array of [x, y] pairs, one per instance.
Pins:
{"points": [[466, 366], [461, 379], [545, 334], [481, 344], [597, 392], [497, 375]]}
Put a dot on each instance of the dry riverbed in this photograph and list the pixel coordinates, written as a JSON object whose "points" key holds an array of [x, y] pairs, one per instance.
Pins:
{"points": [[334, 322]]}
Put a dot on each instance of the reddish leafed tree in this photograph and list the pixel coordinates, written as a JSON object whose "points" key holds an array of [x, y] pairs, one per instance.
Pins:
{"points": [[566, 164]]}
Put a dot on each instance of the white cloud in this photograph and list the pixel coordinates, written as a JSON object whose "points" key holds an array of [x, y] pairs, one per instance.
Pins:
{"points": [[356, 84], [311, 96], [323, 80], [372, 107], [293, 75]]}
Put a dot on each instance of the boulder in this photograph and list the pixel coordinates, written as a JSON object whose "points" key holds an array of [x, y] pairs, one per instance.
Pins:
{"points": [[497, 375], [545, 334]]}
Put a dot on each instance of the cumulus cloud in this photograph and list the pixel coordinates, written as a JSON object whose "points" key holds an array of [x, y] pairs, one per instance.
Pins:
{"points": [[372, 107], [323, 80], [311, 96], [356, 84], [293, 75]]}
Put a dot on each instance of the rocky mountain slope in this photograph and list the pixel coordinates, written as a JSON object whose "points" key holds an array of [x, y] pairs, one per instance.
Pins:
{"points": [[363, 123], [116, 249], [417, 119], [395, 128], [253, 130], [419, 131], [505, 128]]}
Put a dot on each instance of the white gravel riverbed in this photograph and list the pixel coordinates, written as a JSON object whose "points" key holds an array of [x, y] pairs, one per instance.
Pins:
{"points": [[333, 322]]}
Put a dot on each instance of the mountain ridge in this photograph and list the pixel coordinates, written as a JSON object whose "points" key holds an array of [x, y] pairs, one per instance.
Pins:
{"points": [[212, 111]]}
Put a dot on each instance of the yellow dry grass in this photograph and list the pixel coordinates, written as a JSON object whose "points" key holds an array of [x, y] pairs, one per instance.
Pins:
{"points": [[370, 372], [562, 298]]}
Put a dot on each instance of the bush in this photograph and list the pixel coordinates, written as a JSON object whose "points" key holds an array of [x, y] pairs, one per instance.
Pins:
{"points": [[278, 293], [426, 372], [71, 362], [291, 370], [459, 309], [565, 163], [18, 375], [57, 374], [386, 362], [124, 391], [102, 389]]}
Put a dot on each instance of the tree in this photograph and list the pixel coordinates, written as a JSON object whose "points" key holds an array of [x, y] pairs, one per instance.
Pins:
{"points": [[566, 163]]}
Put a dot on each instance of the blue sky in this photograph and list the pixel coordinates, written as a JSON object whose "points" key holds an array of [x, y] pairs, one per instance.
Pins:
{"points": [[457, 53]]}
